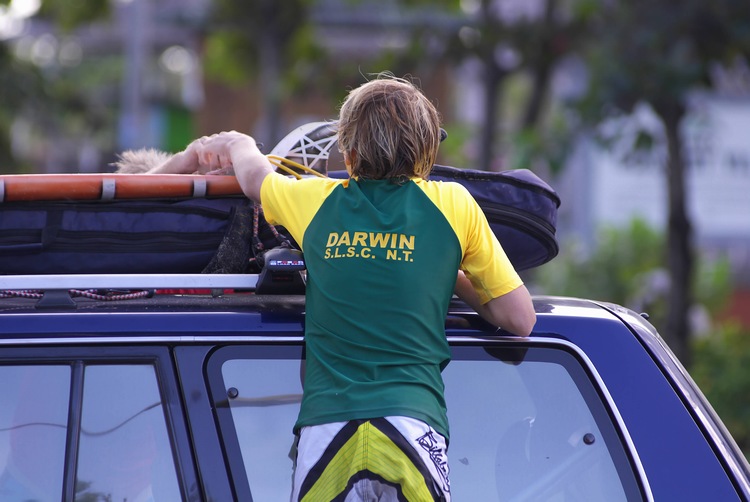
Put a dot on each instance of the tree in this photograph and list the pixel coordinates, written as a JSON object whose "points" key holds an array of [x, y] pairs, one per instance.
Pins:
{"points": [[526, 44], [720, 369], [504, 44], [658, 52], [21, 85], [46, 97], [261, 41], [627, 268]]}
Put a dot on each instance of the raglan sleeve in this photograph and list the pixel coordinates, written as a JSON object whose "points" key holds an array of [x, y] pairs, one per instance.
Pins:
{"points": [[484, 262], [293, 203]]}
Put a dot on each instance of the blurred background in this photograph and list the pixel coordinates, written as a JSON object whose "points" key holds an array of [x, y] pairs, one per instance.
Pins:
{"points": [[636, 111]]}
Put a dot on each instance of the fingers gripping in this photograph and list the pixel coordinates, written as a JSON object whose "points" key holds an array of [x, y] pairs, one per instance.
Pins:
{"points": [[213, 151]]}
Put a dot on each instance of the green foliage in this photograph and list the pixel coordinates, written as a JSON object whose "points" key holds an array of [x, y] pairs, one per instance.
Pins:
{"points": [[657, 51], [22, 88], [84, 96], [453, 148], [538, 147], [628, 268], [310, 68], [720, 368], [228, 59], [55, 100], [69, 14], [237, 33], [713, 280], [610, 273]]}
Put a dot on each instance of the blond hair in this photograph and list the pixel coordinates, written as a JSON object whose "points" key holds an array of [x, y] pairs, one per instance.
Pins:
{"points": [[389, 130]]}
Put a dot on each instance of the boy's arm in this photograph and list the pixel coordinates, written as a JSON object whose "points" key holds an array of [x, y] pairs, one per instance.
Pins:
{"points": [[184, 162], [513, 311], [240, 152]]}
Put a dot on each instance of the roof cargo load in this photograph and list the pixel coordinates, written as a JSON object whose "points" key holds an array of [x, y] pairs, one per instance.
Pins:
{"points": [[193, 224]]}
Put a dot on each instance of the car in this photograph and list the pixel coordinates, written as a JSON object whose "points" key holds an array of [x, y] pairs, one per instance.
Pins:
{"points": [[186, 387]]}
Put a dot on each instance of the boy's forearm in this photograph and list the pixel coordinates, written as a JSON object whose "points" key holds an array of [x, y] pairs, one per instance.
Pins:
{"points": [[465, 291], [179, 163], [250, 166], [514, 311]]}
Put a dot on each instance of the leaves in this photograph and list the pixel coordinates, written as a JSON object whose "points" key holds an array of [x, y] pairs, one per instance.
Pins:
{"points": [[628, 268], [69, 14], [720, 369], [239, 32], [659, 50]]}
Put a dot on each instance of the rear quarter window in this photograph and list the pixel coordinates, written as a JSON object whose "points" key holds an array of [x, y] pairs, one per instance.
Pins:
{"points": [[527, 423]]}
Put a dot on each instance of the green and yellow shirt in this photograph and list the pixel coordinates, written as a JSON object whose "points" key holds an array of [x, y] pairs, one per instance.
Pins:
{"points": [[382, 260]]}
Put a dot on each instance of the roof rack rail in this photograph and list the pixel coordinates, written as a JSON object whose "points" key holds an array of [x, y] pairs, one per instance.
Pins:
{"points": [[282, 274], [57, 291], [128, 281]]}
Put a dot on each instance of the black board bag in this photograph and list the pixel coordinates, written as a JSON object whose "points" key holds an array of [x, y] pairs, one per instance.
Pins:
{"points": [[228, 234], [520, 207]]}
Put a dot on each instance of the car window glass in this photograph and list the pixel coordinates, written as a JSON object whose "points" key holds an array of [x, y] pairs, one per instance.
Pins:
{"points": [[525, 428], [532, 429], [33, 423], [264, 401], [124, 451]]}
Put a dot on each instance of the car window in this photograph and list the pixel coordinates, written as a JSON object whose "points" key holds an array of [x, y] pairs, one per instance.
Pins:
{"points": [[122, 449], [264, 399], [33, 424], [528, 424]]}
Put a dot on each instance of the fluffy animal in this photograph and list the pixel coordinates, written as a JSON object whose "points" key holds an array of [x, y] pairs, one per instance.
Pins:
{"points": [[140, 161]]}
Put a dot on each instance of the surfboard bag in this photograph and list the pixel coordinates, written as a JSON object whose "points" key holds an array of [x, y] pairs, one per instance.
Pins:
{"points": [[195, 235], [228, 233]]}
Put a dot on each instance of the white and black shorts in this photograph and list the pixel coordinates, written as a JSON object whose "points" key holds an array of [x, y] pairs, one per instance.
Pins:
{"points": [[382, 459]]}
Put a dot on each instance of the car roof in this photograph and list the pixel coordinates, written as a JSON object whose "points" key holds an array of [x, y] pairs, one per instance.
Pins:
{"points": [[213, 305]]}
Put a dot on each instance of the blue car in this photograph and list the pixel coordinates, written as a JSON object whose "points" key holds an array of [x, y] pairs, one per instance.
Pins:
{"points": [[189, 391], [126, 375]]}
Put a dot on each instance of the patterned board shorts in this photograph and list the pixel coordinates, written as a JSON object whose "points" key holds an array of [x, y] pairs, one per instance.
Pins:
{"points": [[382, 459]]}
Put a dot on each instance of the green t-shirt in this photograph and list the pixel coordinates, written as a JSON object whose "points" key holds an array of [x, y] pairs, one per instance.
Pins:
{"points": [[382, 260]]}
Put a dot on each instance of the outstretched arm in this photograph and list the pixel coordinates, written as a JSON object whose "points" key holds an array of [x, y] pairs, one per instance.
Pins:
{"points": [[152, 161], [513, 311], [240, 152], [187, 162], [183, 162]]}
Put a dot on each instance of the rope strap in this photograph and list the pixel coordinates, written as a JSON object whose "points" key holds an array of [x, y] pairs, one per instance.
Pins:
{"points": [[89, 293]]}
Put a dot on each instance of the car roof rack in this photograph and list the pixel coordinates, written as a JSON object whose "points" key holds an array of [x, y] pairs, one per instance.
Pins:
{"points": [[58, 291], [282, 274], [128, 281]]}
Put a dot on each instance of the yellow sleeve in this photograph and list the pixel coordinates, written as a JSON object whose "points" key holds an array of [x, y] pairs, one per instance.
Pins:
{"points": [[484, 261], [292, 203]]}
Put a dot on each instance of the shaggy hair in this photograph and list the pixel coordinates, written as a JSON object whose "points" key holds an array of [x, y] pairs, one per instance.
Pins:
{"points": [[389, 130], [139, 161]]}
